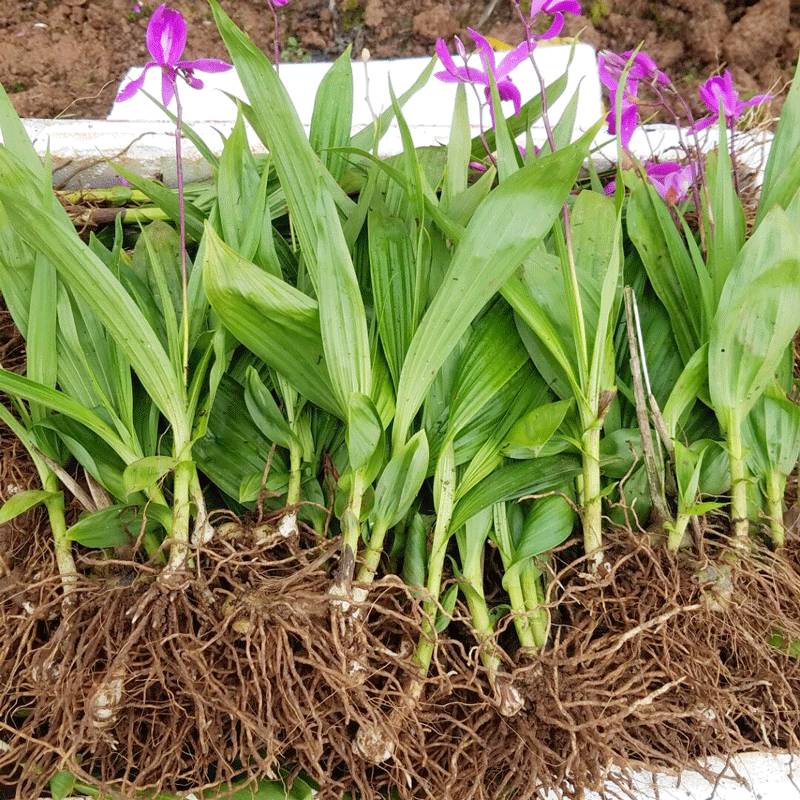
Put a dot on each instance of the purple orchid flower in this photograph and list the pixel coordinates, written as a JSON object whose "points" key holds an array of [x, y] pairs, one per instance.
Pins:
{"points": [[642, 70], [558, 8], [166, 41], [505, 86], [721, 88], [279, 3], [671, 180]]}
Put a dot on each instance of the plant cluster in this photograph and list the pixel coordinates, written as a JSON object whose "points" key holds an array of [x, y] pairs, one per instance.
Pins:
{"points": [[401, 385]]}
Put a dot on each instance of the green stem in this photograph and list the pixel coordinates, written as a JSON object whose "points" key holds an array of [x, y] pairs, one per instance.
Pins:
{"points": [[482, 623], [741, 525], [538, 616], [591, 501], [61, 542], [295, 476], [372, 555], [522, 620], [446, 481], [351, 526], [179, 550], [677, 531], [776, 484]]}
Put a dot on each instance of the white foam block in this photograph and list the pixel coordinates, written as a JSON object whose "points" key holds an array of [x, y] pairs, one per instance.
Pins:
{"points": [[429, 112]]}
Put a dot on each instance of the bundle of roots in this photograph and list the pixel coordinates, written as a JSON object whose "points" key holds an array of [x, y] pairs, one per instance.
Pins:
{"points": [[251, 669]]}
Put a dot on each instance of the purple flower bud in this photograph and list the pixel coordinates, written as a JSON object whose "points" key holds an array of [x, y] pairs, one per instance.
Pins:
{"points": [[671, 180], [166, 41]]}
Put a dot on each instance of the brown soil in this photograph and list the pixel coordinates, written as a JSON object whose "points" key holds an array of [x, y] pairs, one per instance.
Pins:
{"points": [[67, 57]]}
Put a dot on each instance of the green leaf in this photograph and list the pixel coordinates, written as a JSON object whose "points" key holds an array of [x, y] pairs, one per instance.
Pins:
{"points": [[669, 265], [458, 151], [19, 386], [535, 429], [513, 481], [90, 279], [548, 524], [493, 355], [448, 601], [392, 269], [61, 785], [727, 234], [342, 319], [21, 502], [501, 234], [272, 319], [400, 481], [690, 386], [117, 525], [332, 117], [146, 472], [364, 430], [265, 412], [782, 171], [275, 121], [758, 314]]}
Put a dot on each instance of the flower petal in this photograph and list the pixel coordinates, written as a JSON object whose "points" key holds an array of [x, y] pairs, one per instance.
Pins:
{"points": [[166, 35], [555, 27], [563, 6], [167, 86], [445, 58], [513, 60], [205, 65], [130, 90], [485, 52], [508, 91]]}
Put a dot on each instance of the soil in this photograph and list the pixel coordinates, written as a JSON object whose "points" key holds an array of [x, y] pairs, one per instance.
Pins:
{"points": [[67, 57]]}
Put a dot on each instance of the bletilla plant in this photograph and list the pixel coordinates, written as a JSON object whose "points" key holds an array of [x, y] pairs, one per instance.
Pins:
{"points": [[719, 94]]}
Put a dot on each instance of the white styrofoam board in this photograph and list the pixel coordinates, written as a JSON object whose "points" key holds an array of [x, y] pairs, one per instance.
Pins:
{"points": [[138, 135]]}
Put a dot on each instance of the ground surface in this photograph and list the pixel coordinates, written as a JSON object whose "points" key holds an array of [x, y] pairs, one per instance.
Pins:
{"points": [[66, 57]]}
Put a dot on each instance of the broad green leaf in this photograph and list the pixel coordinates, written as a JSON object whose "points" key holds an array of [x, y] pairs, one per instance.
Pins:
{"points": [[400, 481], [40, 341], [493, 355], [21, 502], [15, 138], [19, 386], [254, 486], [61, 785], [506, 151], [117, 525], [147, 472], [771, 433], [265, 413], [392, 269], [513, 481], [364, 430], [448, 603], [519, 123], [90, 279], [458, 151], [274, 119], [415, 555], [548, 524], [690, 386], [167, 201], [758, 314], [669, 266], [534, 430], [726, 208], [501, 234], [272, 319], [331, 119], [342, 319], [782, 171]]}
